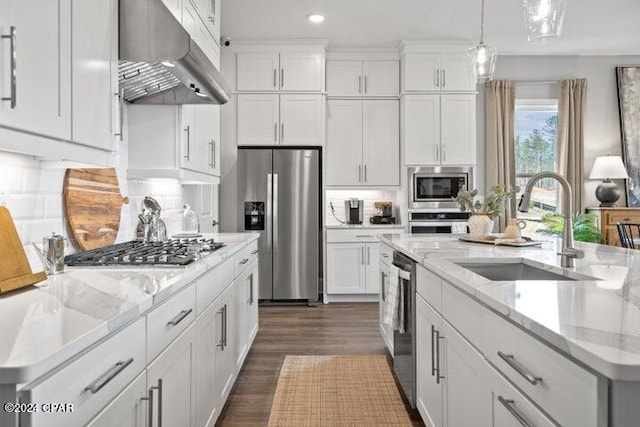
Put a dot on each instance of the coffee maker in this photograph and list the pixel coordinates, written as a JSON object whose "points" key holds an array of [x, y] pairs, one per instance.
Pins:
{"points": [[383, 213], [354, 211]]}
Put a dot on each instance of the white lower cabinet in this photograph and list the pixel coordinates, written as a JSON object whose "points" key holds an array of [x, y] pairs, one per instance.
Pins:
{"points": [[224, 360], [171, 379], [383, 302], [429, 385], [246, 315], [207, 340]]}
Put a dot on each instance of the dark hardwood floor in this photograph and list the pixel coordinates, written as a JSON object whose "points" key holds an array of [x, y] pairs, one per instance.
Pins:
{"points": [[323, 330]]}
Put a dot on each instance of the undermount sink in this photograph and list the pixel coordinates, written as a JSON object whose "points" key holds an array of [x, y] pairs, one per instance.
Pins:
{"points": [[519, 269]]}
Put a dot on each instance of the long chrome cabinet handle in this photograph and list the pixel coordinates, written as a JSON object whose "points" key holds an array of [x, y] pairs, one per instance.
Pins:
{"points": [[159, 388], [359, 173], [368, 255], [211, 155], [212, 18], [282, 78], [511, 407], [511, 361], [251, 290], [275, 78], [221, 343], [382, 293], [359, 84], [281, 132], [274, 237], [224, 336], [215, 158], [433, 351], [438, 338], [365, 84], [275, 132], [444, 78], [188, 131], [180, 317], [269, 227], [437, 78], [120, 95], [365, 173], [106, 378], [12, 48]]}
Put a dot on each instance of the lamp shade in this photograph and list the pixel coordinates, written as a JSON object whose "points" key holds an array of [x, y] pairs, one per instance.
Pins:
{"points": [[543, 19], [608, 167]]}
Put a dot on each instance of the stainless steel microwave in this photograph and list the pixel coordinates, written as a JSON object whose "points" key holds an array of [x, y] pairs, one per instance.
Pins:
{"points": [[436, 186]]}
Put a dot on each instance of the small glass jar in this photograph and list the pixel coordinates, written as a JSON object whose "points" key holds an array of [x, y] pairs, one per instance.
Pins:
{"points": [[190, 222]]}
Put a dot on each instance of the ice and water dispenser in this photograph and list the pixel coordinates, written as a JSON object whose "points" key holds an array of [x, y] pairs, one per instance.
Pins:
{"points": [[254, 215]]}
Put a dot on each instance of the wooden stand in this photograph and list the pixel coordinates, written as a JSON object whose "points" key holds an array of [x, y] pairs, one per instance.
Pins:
{"points": [[15, 272]]}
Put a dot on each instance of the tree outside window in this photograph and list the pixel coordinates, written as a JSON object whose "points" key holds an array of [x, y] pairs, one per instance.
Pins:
{"points": [[536, 125]]}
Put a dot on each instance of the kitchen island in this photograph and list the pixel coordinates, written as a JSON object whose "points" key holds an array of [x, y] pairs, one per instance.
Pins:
{"points": [[568, 349], [94, 338]]}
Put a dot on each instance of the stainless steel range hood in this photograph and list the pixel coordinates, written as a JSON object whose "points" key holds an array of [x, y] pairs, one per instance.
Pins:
{"points": [[159, 61]]}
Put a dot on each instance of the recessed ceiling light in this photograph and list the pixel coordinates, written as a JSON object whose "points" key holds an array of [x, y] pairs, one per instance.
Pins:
{"points": [[316, 18]]}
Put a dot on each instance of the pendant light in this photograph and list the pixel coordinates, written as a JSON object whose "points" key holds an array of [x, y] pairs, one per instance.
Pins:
{"points": [[482, 58], [543, 19]]}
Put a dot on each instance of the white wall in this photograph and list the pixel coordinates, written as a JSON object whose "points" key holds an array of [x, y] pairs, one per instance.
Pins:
{"points": [[602, 124]]}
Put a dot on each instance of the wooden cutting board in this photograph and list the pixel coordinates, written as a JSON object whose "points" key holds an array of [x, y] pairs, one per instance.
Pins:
{"points": [[92, 201], [15, 271]]}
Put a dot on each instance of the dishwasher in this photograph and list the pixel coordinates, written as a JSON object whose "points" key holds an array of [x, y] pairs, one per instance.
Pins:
{"points": [[404, 343]]}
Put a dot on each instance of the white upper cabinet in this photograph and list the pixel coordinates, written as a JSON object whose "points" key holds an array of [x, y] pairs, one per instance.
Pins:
{"points": [[35, 66], [301, 119], [372, 78], [290, 71], [439, 129], [94, 83], [209, 11], [197, 29], [285, 119], [363, 143], [427, 72]]}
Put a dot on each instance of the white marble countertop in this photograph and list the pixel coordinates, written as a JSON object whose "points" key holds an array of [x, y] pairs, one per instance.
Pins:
{"points": [[597, 322], [359, 226], [46, 324]]}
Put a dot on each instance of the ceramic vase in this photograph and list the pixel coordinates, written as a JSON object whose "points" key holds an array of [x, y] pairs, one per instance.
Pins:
{"points": [[480, 225]]}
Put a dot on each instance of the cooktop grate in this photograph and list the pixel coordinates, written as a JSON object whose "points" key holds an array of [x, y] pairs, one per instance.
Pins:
{"points": [[174, 252]]}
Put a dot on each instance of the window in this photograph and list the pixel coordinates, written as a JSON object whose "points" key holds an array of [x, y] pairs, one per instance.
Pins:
{"points": [[536, 124]]}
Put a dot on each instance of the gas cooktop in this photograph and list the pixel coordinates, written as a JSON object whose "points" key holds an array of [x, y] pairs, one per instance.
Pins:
{"points": [[172, 253]]}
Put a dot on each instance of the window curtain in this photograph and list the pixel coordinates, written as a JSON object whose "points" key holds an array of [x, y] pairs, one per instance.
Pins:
{"points": [[571, 113], [500, 98]]}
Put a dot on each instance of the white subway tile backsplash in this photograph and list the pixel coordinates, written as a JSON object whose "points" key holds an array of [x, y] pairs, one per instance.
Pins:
{"points": [[25, 206]]}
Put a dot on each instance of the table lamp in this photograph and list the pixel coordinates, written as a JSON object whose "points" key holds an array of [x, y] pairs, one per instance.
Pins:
{"points": [[607, 168]]}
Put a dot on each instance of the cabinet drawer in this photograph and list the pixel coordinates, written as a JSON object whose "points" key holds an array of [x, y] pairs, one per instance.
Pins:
{"points": [[429, 286], [367, 234], [90, 382], [386, 254], [212, 284], [509, 404], [610, 218], [126, 409], [166, 322], [245, 257]]}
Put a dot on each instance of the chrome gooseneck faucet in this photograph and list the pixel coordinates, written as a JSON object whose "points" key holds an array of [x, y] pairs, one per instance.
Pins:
{"points": [[569, 253]]}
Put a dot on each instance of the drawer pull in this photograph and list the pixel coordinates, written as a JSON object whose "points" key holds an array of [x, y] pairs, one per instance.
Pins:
{"points": [[254, 252], [244, 261], [364, 235], [179, 318], [385, 255], [511, 361], [511, 407], [108, 376]]}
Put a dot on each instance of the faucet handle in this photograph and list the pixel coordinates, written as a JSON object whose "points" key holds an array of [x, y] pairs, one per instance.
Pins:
{"points": [[572, 253]]}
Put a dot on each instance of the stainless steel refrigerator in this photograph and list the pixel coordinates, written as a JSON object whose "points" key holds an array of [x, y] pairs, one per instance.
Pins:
{"points": [[279, 197]]}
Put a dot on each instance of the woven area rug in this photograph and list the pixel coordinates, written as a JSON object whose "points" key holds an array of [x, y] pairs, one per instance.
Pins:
{"points": [[337, 391]]}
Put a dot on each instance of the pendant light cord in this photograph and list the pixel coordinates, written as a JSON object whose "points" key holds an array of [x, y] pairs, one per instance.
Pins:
{"points": [[482, 23]]}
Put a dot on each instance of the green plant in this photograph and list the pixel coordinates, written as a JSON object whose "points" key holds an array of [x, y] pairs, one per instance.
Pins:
{"points": [[584, 227], [492, 204]]}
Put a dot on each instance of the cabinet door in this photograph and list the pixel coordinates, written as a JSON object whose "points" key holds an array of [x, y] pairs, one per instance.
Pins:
{"points": [[175, 7], [346, 268], [204, 137], [240, 297], [372, 275], [344, 78], [175, 368], [205, 367], [127, 409], [429, 392], [420, 72], [421, 129], [458, 132], [197, 28], [216, 132], [301, 72], [258, 71], [251, 283], [189, 147], [455, 72], [381, 146], [95, 32], [467, 383], [344, 142], [258, 119], [385, 329], [42, 52], [209, 11], [381, 78], [301, 120], [225, 362]]}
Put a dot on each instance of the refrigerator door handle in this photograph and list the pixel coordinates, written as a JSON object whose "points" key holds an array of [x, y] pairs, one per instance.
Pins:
{"points": [[274, 225], [269, 212]]}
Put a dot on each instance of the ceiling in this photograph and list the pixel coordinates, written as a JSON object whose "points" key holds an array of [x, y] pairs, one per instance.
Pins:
{"points": [[590, 27]]}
